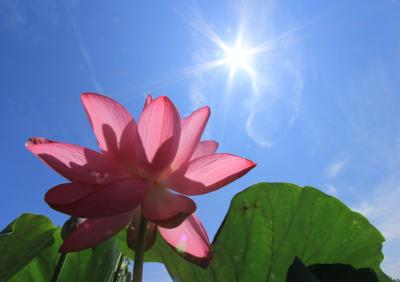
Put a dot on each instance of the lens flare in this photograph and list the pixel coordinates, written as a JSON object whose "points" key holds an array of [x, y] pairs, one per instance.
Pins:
{"points": [[237, 57]]}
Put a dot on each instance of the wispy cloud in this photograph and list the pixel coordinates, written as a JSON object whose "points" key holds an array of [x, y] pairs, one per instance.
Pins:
{"points": [[331, 189], [383, 210], [392, 266], [196, 94], [382, 205], [335, 167], [274, 106], [256, 135]]}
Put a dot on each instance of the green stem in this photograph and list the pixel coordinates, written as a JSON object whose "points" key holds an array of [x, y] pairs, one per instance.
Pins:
{"points": [[139, 252], [117, 271], [57, 271]]}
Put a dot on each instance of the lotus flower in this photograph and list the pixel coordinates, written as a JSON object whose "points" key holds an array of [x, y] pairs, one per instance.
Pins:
{"points": [[132, 175]]}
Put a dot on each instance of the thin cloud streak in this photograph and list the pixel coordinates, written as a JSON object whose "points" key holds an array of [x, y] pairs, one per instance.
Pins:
{"points": [[84, 51], [272, 111], [334, 168]]}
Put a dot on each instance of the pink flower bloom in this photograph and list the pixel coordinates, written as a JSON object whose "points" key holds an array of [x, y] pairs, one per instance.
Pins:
{"points": [[137, 165]]}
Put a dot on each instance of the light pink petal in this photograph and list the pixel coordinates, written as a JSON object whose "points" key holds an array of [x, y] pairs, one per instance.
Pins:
{"points": [[92, 232], [191, 130], [113, 125], [92, 201], [159, 130], [209, 173], [149, 99], [76, 163], [190, 240], [204, 148], [133, 234], [167, 209]]}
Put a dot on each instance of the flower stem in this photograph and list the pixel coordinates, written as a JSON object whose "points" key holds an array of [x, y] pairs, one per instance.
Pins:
{"points": [[139, 253], [118, 269], [57, 271]]}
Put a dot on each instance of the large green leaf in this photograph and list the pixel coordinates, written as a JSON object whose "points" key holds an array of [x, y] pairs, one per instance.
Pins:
{"points": [[269, 224], [39, 261], [92, 265], [22, 240]]}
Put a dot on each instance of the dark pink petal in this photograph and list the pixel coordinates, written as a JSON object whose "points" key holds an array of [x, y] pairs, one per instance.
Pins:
{"points": [[204, 148], [167, 209], [76, 163], [209, 173], [190, 240], [191, 130], [159, 130], [92, 201], [132, 232], [92, 232], [113, 125]]}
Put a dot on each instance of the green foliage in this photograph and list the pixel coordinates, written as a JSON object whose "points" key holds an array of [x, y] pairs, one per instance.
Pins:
{"points": [[269, 224], [21, 241], [266, 227], [29, 248], [96, 264]]}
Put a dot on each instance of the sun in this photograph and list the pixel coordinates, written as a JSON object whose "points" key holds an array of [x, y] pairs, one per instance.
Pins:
{"points": [[238, 57]]}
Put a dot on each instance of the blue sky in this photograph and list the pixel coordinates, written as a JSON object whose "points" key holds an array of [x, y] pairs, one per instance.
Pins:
{"points": [[320, 108]]}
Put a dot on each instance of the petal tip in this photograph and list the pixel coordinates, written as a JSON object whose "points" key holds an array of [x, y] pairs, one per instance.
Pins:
{"points": [[248, 165], [251, 163], [206, 261], [206, 108], [37, 141], [148, 100], [164, 99], [28, 143], [203, 111], [87, 95]]}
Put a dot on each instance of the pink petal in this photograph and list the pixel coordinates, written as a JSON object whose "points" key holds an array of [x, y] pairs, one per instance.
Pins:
{"points": [[92, 232], [132, 232], [37, 140], [209, 173], [114, 127], [190, 240], [76, 163], [92, 201], [191, 130], [149, 99], [204, 148], [159, 130], [167, 209]]}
